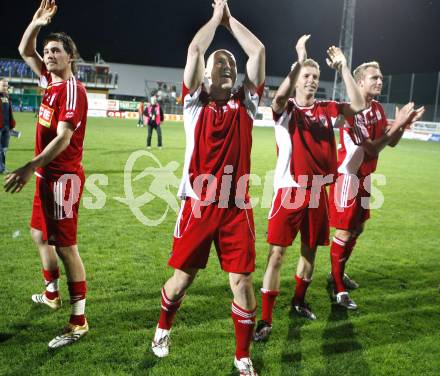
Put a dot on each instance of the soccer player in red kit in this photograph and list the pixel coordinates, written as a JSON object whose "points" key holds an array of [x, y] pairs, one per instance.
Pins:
{"points": [[306, 163], [57, 165], [216, 208], [365, 135]]}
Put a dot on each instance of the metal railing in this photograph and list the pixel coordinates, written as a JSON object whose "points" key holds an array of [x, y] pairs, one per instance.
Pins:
{"points": [[421, 88]]}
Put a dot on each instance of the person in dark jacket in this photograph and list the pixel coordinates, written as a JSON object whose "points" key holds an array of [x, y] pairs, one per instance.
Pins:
{"points": [[7, 122], [154, 116]]}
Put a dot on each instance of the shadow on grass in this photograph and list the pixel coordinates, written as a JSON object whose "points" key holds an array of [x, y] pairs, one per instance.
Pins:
{"points": [[257, 353], [33, 363], [291, 356], [20, 333], [24, 324], [341, 339], [113, 296], [199, 303], [4, 337], [146, 364]]}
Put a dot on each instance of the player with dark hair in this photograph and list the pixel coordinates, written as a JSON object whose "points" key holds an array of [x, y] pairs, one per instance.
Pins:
{"points": [[306, 163], [216, 208], [57, 164], [365, 135]]}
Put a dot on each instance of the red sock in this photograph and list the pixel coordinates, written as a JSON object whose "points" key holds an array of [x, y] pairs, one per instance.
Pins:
{"points": [[339, 255], [51, 281], [168, 311], [267, 303], [300, 289], [350, 245], [244, 322], [77, 291]]}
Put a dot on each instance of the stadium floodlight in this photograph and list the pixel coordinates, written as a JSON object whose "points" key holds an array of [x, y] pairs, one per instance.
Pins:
{"points": [[437, 92], [346, 45]]}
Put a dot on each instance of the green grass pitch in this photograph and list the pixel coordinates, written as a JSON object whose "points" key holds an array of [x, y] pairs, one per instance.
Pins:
{"points": [[396, 330]]}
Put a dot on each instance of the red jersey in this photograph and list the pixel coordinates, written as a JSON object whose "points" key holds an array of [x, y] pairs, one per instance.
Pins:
{"points": [[306, 143], [62, 101], [218, 145], [368, 124]]}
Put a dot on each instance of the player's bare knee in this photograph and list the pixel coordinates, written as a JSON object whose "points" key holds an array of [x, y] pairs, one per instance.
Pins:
{"points": [[276, 256], [67, 254], [37, 237], [240, 283], [180, 281], [344, 235]]}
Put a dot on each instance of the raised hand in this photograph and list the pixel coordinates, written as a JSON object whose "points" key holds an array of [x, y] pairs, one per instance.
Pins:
{"points": [[219, 8], [43, 15], [226, 16], [336, 59], [406, 114], [301, 48], [412, 117], [417, 114]]}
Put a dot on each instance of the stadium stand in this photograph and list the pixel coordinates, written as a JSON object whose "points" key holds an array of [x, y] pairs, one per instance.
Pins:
{"points": [[139, 83], [96, 75]]}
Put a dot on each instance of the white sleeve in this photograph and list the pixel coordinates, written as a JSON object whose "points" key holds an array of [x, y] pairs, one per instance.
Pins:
{"points": [[42, 82], [251, 102], [191, 100], [283, 178]]}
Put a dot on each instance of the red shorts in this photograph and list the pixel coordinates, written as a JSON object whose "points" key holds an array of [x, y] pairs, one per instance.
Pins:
{"points": [[55, 208], [349, 202], [231, 229], [299, 209]]}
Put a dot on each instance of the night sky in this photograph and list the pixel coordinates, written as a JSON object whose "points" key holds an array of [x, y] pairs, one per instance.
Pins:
{"points": [[403, 35]]}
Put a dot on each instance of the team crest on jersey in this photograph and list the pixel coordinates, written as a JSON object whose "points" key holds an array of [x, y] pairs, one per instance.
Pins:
{"points": [[378, 115], [323, 121], [45, 115], [233, 105]]}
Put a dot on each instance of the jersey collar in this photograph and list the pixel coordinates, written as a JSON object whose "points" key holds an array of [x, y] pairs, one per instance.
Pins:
{"points": [[304, 107]]}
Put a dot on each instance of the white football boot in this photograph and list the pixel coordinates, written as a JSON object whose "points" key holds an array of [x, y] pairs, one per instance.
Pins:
{"points": [[161, 343], [245, 367]]}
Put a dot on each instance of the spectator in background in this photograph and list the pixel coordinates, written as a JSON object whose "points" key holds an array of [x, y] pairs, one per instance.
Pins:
{"points": [[7, 122], [159, 93], [179, 100], [173, 96], [140, 114], [154, 117]]}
